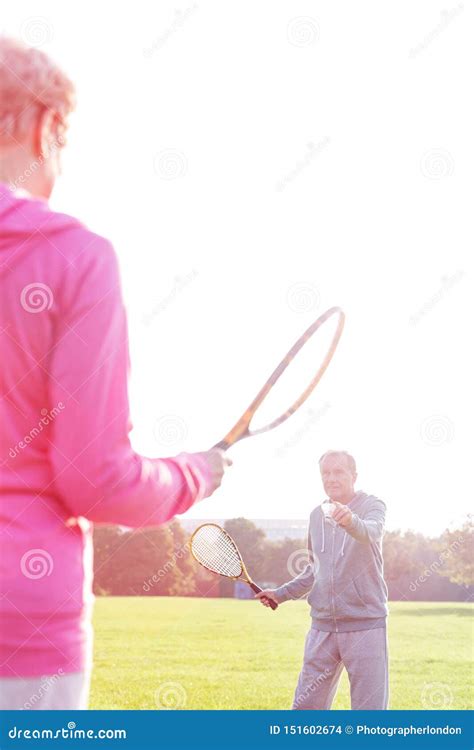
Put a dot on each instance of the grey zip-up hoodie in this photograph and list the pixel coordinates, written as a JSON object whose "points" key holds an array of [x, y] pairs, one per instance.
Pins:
{"points": [[344, 578]]}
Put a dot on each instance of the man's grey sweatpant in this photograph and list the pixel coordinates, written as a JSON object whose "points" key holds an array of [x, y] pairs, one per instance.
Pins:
{"points": [[363, 653]]}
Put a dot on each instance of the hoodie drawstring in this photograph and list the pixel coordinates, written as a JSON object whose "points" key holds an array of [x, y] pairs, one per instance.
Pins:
{"points": [[323, 538], [343, 543]]}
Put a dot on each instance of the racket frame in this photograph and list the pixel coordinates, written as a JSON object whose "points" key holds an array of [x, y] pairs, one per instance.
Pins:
{"points": [[247, 579], [241, 429]]}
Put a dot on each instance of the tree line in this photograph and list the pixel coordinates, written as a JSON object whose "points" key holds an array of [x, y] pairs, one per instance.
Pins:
{"points": [[158, 562]]}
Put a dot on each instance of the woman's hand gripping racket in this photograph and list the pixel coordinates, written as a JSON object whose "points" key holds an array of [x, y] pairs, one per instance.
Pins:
{"points": [[290, 364], [216, 551]]}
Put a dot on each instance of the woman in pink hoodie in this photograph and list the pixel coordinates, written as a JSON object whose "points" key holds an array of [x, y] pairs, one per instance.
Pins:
{"points": [[65, 455]]}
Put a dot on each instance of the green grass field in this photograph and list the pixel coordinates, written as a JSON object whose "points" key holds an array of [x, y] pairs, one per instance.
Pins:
{"points": [[154, 652]]}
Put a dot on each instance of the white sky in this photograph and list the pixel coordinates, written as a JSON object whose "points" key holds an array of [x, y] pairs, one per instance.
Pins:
{"points": [[273, 164]]}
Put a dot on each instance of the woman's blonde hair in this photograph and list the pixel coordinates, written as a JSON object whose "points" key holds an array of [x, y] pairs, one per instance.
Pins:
{"points": [[28, 79]]}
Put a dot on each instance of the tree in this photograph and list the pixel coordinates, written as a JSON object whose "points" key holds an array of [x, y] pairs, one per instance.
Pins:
{"points": [[148, 565], [135, 562], [106, 542], [155, 561], [284, 559], [251, 542], [456, 550], [401, 554], [185, 582]]}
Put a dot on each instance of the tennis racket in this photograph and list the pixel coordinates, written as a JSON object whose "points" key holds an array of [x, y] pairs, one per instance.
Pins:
{"points": [[292, 364], [216, 551]]}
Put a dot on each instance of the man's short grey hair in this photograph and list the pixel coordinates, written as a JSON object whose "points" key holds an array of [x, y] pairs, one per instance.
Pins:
{"points": [[349, 459]]}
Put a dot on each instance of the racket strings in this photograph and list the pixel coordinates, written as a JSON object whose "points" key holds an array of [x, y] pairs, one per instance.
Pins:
{"points": [[214, 549]]}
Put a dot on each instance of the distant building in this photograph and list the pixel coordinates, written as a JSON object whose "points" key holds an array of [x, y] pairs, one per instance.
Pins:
{"points": [[274, 528], [281, 528]]}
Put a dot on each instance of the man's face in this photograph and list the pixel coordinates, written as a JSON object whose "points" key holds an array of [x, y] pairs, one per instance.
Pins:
{"points": [[338, 479]]}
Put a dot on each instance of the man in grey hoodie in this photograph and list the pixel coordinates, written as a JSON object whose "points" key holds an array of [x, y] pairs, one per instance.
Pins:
{"points": [[347, 594]]}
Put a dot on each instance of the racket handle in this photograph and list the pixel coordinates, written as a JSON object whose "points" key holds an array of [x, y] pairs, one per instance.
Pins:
{"points": [[257, 590], [222, 445]]}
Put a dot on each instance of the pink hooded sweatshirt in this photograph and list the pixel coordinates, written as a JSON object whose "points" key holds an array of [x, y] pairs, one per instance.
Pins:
{"points": [[65, 454]]}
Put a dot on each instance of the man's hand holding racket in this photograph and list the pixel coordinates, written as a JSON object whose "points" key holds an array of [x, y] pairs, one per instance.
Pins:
{"points": [[266, 596]]}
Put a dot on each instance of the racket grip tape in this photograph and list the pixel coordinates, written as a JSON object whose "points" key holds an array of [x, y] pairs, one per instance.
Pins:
{"points": [[257, 590], [222, 445]]}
